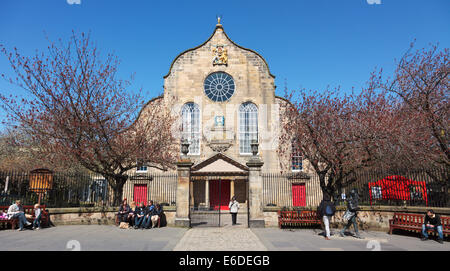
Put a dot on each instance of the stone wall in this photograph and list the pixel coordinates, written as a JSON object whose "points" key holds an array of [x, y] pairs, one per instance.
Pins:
{"points": [[373, 218], [94, 216]]}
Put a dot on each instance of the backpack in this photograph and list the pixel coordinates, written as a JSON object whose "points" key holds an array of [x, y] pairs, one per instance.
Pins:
{"points": [[328, 210]]}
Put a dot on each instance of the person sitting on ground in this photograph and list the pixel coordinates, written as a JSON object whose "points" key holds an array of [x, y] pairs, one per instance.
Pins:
{"points": [[432, 221], [326, 210], [139, 216], [37, 217], [156, 214], [124, 211], [16, 211], [148, 213]]}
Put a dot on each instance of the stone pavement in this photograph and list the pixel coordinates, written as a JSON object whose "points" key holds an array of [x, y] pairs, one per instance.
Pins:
{"points": [[228, 238], [91, 238], [312, 240]]}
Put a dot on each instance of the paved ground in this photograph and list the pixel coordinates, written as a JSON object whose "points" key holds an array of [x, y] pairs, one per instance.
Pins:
{"points": [[91, 237], [312, 240], [228, 238], [220, 239]]}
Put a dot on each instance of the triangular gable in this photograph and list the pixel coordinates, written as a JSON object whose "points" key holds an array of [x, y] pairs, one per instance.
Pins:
{"points": [[220, 163]]}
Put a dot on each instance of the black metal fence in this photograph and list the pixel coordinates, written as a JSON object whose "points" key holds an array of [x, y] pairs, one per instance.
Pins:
{"points": [[58, 189], [425, 187]]}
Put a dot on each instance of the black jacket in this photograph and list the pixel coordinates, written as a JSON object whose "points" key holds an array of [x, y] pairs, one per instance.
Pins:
{"points": [[352, 204], [139, 211], [124, 209], [321, 210], [149, 210], [436, 221]]}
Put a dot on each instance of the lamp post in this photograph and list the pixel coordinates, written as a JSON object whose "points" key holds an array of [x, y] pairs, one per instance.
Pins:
{"points": [[184, 147], [254, 146]]}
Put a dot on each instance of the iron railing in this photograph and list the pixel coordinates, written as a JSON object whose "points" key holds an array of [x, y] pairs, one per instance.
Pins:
{"points": [[58, 189], [425, 187]]}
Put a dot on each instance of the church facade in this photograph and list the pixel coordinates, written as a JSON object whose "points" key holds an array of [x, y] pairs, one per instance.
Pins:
{"points": [[224, 96]]}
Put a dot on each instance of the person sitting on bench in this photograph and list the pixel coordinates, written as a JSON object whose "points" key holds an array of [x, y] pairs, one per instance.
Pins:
{"points": [[124, 211], [156, 215], [16, 211], [432, 221], [148, 214], [37, 217], [139, 216]]}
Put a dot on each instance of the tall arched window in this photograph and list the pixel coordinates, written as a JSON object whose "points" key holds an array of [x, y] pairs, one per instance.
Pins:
{"points": [[296, 157], [248, 126], [191, 126]]}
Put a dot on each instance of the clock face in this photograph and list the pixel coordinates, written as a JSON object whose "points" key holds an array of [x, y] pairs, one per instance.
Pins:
{"points": [[219, 86]]}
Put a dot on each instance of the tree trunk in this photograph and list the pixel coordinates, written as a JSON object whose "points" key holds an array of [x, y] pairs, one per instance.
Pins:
{"points": [[117, 182]]}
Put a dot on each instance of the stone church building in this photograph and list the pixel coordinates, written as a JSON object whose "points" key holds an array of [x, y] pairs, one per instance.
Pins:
{"points": [[225, 97]]}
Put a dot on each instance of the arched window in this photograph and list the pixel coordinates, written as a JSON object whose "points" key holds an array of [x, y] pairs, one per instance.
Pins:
{"points": [[191, 126], [296, 157], [248, 126]]}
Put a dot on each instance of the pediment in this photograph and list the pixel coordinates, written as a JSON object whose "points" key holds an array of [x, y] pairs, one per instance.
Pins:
{"points": [[220, 163]]}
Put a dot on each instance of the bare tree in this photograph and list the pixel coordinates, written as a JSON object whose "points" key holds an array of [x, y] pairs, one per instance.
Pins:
{"points": [[77, 111]]}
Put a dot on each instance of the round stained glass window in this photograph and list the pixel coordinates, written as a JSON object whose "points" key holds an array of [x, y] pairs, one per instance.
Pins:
{"points": [[219, 86]]}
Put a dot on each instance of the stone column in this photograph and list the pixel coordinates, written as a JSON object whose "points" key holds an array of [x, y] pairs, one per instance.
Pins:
{"points": [[232, 188], [182, 218], [191, 193], [207, 192], [256, 215]]}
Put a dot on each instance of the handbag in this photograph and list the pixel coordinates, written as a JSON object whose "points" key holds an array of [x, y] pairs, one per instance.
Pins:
{"points": [[348, 215], [124, 225]]}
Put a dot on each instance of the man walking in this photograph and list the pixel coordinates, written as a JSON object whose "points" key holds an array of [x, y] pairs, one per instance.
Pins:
{"points": [[326, 210], [432, 221], [351, 214]]}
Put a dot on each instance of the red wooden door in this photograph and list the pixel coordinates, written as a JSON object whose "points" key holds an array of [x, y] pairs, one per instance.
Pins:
{"points": [[219, 194], [299, 194], [140, 193]]}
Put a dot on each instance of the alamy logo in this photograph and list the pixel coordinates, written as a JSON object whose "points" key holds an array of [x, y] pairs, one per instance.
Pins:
{"points": [[371, 2], [71, 2]]}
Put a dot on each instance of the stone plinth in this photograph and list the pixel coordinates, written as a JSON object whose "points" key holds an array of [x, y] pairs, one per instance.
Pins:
{"points": [[256, 215], [183, 191]]}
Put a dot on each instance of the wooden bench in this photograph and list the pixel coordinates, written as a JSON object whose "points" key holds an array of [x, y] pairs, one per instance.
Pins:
{"points": [[28, 209], [298, 218], [414, 222]]}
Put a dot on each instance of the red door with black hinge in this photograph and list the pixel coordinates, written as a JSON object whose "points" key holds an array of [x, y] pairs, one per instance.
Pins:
{"points": [[219, 193], [298, 194], [140, 193]]}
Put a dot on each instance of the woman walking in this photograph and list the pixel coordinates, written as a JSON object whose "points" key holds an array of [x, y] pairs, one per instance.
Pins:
{"points": [[234, 207]]}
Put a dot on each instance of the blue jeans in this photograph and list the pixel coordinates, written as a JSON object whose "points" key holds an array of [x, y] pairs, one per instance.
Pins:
{"points": [[37, 222], [436, 228], [147, 221], [22, 219], [349, 223], [138, 221]]}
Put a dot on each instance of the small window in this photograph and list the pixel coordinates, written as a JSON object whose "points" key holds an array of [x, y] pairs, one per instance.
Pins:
{"points": [[141, 167], [296, 158], [377, 192]]}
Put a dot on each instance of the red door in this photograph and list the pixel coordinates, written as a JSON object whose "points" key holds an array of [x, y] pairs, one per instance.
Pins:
{"points": [[298, 194], [219, 194], [140, 193]]}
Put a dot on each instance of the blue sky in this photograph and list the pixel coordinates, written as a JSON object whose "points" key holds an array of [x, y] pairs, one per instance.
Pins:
{"points": [[308, 43]]}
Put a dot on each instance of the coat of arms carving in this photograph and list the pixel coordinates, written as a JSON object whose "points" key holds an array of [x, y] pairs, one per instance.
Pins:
{"points": [[220, 54]]}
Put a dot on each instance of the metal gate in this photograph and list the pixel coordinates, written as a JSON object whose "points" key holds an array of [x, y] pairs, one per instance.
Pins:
{"points": [[209, 199]]}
